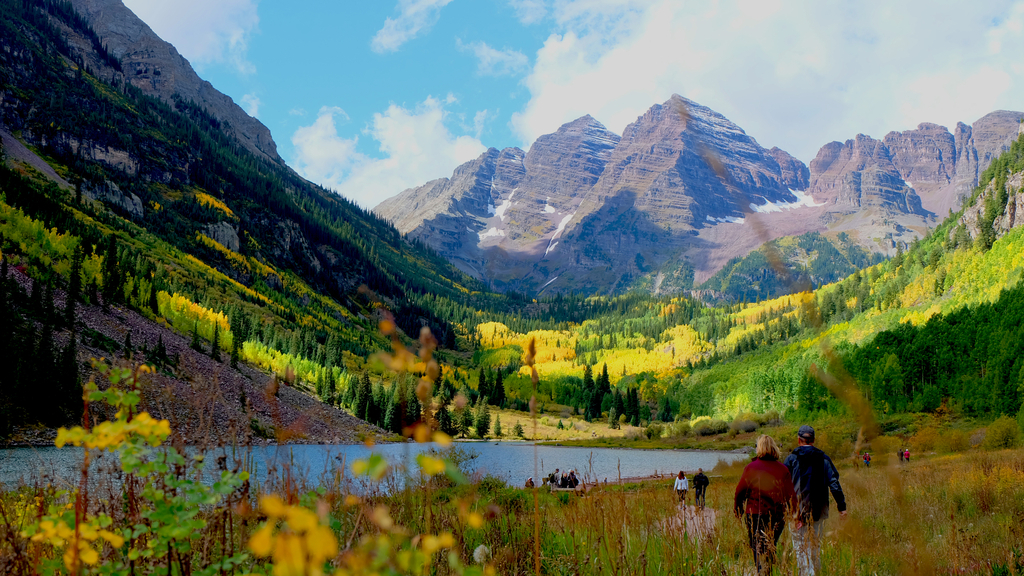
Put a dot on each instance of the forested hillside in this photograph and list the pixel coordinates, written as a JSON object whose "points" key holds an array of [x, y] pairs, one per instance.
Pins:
{"points": [[154, 208]]}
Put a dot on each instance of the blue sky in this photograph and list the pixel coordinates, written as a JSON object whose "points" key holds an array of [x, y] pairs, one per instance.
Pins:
{"points": [[369, 98]]}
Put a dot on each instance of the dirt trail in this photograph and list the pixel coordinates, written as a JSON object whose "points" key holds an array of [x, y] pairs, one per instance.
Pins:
{"points": [[693, 521]]}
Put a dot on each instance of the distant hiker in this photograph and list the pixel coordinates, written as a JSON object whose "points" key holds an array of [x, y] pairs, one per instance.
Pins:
{"points": [[529, 482], [700, 487], [867, 460], [682, 485], [814, 476], [563, 482], [906, 455], [573, 480], [900, 454], [554, 478], [764, 494]]}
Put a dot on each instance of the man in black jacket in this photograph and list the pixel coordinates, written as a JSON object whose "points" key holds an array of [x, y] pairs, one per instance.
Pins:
{"points": [[700, 486], [814, 476]]}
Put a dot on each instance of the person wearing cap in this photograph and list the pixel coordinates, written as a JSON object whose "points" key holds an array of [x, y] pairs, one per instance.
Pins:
{"points": [[814, 476], [700, 487], [529, 482]]}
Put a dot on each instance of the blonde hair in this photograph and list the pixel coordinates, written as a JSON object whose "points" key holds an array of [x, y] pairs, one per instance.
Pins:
{"points": [[766, 446]]}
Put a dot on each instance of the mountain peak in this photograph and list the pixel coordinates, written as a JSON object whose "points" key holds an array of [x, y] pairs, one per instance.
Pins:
{"points": [[155, 67]]}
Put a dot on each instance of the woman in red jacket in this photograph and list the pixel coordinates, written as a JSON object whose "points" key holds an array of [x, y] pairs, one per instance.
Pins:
{"points": [[764, 494]]}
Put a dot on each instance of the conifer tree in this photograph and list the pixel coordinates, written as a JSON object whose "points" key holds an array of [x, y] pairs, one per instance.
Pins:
{"points": [[497, 426], [444, 421], [483, 418], [517, 430], [393, 417], [154, 305], [196, 344], [74, 287], [482, 385], [235, 350], [215, 344], [362, 396], [112, 277], [466, 421], [70, 405], [604, 384], [331, 388], [498, 391]]}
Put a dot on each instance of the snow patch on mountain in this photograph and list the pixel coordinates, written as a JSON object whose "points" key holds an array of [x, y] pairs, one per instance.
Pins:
{"points": [[803, 200]]}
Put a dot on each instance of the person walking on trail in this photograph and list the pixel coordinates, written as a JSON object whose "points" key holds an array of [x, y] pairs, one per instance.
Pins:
{"points": [[867, 460], [763, 496], [700, 487], [899, 453], [906, 455], [814, 476], [681, 486]]}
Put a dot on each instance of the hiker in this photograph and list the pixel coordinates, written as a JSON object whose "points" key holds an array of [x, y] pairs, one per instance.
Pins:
{"points": [[573, 480], [867, 459], [529, 482], [906, 455], [553, 479], [900, 454], [763, 496], [700, 487], [681, 486], [563, 482], [814, 476]]}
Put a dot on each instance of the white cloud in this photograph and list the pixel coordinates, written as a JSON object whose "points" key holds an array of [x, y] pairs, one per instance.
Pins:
{"points": [[529, 11], [793, 74], [415, 145], [413, 17], [204, 31], [494, 62], [297, 112], [479, 120], [251, 105]]}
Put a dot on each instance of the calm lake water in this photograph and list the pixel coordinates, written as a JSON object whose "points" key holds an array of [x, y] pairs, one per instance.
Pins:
{"points": [[512, 462]]}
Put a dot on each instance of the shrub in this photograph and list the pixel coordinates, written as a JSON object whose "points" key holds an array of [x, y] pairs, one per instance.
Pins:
{"points": [[743, 426], [772, 418], [653, 431], [1003, 433], [678, 429], [955, 441], [925, 439], [710, 427], [834, 444], [752, 417]]}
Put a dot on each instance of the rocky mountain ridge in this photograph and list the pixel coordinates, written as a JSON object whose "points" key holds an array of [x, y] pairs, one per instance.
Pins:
{"points": [[155, 66], [681, 192]]}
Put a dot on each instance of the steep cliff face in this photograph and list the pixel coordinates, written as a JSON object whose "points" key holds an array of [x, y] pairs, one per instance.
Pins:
{"points": [[926, 160], [888, 192], [156, 67], [977, 145]]}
